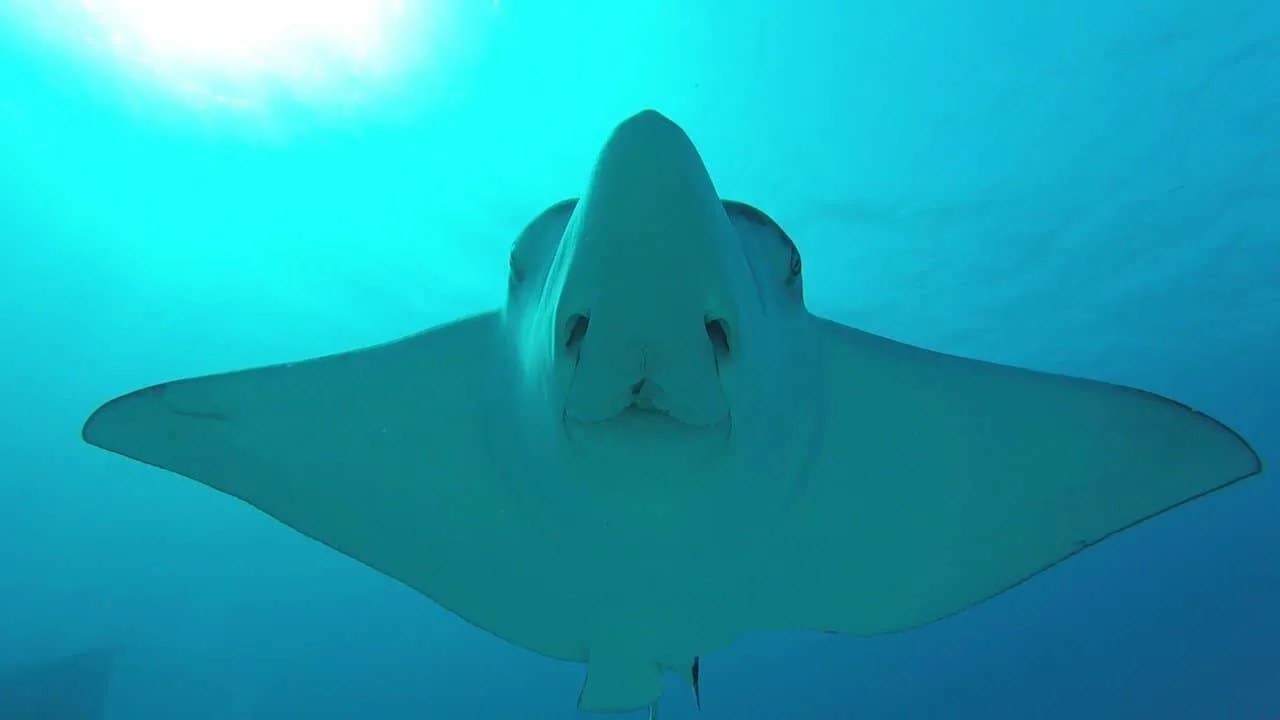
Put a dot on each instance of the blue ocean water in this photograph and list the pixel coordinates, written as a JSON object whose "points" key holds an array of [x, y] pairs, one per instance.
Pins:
{"points": [[1091, 189]]}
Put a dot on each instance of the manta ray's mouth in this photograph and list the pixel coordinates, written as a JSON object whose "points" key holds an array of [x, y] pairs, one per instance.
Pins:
{"points": [[645, 420]]}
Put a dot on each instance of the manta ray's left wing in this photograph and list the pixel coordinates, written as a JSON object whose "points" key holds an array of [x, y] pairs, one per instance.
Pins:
{"points": [[382, 454], [943, 481]]}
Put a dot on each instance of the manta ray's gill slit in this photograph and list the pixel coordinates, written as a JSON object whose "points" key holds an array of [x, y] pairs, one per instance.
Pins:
{"points": [[718, 334], [575, 331]]}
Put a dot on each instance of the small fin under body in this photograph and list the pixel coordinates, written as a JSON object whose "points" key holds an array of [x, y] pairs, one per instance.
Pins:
{"points": [[944, 481], [695, 674]]}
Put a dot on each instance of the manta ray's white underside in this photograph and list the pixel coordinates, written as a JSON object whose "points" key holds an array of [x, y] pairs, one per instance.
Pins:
{"points": [[539, 498]]}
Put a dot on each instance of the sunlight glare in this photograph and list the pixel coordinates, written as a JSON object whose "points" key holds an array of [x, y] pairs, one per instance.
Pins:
{"points": [[251, 36]]}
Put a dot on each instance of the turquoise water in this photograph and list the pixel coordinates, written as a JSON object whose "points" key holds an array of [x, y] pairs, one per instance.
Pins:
{"points": [[1094, 191]]}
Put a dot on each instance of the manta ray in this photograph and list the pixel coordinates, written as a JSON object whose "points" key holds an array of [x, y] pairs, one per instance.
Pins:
{"points": [[654, 447]]}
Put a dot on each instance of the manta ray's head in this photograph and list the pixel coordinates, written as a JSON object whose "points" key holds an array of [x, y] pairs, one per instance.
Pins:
{"points": [[659, 326]]}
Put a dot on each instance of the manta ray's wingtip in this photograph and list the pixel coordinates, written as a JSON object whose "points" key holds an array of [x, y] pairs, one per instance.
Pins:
{"points": [[89, 428], [1253, 467], [95, 427], [1259, 465]]}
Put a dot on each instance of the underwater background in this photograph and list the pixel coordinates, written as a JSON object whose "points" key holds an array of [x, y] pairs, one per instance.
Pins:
{"points": [[193, 187]]}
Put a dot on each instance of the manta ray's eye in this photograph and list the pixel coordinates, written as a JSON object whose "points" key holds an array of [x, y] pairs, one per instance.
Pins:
{"points": [[795, 264]]}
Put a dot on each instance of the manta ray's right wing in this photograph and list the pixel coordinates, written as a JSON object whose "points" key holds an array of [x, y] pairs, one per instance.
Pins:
{"points": [[944, 481], [382, 454]]}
